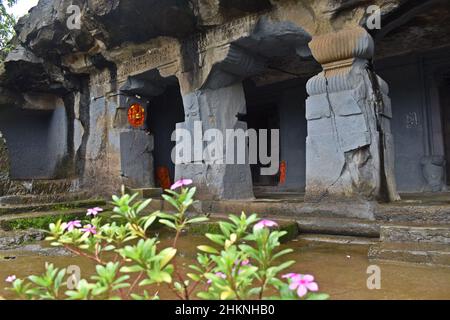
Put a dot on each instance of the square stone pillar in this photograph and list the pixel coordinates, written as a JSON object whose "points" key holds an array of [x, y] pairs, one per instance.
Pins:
{"points": [[215, 109], [349, 146]]}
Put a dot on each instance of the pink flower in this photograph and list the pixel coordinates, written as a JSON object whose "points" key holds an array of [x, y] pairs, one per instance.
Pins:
{"points": [[220, 275], [181, 183], [265, 224], [303, 284], [246, 262], [289, 275], [73, 225], [11, 279], [89, 229], [94, 211]]}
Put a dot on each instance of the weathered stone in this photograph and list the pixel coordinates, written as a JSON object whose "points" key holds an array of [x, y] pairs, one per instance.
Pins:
{"points": [[210, 47], [4, 166], [416, 234], [215, 109], [347, 130], [434, 173], [137, 159], [339, 226], [146, 193], [13, 239], [46, 102], [430, 254]]}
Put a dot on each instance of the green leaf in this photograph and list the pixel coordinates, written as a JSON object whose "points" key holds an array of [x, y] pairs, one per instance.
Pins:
{"points": [[216, 238], [194, 277], [168, 223], [143, 205], [208, 249], [172, 201], [198, 220], [168, 254], [318, 296]]}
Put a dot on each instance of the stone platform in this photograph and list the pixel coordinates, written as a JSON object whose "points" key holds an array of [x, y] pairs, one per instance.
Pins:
{"points": [[415, 229]]}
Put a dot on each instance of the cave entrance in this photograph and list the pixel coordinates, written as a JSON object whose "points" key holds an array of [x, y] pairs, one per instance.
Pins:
{"points": [[445, 111], [146, 150], [164, 112], [279, 106]]}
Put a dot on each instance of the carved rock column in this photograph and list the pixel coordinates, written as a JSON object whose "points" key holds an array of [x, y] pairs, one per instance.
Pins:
{"points": [[349, 145], [216, 109]]}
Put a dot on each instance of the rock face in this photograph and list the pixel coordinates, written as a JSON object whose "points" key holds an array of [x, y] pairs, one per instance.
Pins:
{"points": [[95, 55], [4, 166]]}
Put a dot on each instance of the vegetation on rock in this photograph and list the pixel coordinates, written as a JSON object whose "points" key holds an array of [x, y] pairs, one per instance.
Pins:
{"points": [[7, 23]]}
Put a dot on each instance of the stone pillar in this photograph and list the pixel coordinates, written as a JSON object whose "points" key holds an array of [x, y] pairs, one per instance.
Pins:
{"points": [[216, 109], [349, 146], [4, 166]]}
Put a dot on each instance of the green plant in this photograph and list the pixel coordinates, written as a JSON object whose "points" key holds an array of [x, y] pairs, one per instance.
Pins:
{"points": [[243, 260], [7, 23]]}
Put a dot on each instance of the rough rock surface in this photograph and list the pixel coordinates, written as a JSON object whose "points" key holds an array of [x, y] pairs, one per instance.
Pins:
{"points": [[4, 166], [10, 240], [207, 46]]}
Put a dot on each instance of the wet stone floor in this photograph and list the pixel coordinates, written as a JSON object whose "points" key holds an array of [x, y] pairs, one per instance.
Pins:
{"points": [[340, 269]]}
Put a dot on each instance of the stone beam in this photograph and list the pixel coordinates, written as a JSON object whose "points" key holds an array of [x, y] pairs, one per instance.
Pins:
{"points": [[349, 146], [235, 65]]}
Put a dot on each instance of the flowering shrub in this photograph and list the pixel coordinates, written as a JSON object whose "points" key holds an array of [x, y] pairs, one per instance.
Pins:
{"points": [[240, 263]]}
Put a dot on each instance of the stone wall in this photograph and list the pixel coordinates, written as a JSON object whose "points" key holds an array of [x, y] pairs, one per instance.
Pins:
{"points": [[417, 118], [37, 142], [4, 166]]}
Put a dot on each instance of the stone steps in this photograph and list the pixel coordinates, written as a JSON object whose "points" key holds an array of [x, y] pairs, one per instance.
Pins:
{"points": [[43, 187], [415, 234], [146, 193], [338, 239], [43, 199], [421, 253], [32, 208], [413, 213], [339, 226]]}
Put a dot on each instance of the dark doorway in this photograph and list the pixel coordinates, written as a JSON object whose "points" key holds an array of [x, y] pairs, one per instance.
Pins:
{"points": [[445, 105], [164, 112], [263, 117], [280, 106]]}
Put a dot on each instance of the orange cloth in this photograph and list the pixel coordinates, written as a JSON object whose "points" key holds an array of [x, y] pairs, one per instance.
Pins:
{"points": [[283, 169], [163, 178]]}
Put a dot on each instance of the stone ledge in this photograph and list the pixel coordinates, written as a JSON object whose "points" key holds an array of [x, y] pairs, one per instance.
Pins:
{"points": [[430, 254], [339, 226], [416, 234]]}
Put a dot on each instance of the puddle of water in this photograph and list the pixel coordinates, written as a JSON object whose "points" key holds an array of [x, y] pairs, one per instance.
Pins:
{"points": [[341, 270]]}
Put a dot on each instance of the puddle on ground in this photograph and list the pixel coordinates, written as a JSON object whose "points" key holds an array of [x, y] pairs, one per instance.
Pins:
{"points": [[341, 270]]}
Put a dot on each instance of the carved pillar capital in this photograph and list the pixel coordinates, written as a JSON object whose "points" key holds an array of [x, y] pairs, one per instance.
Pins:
{"points": [[337, 52]]}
